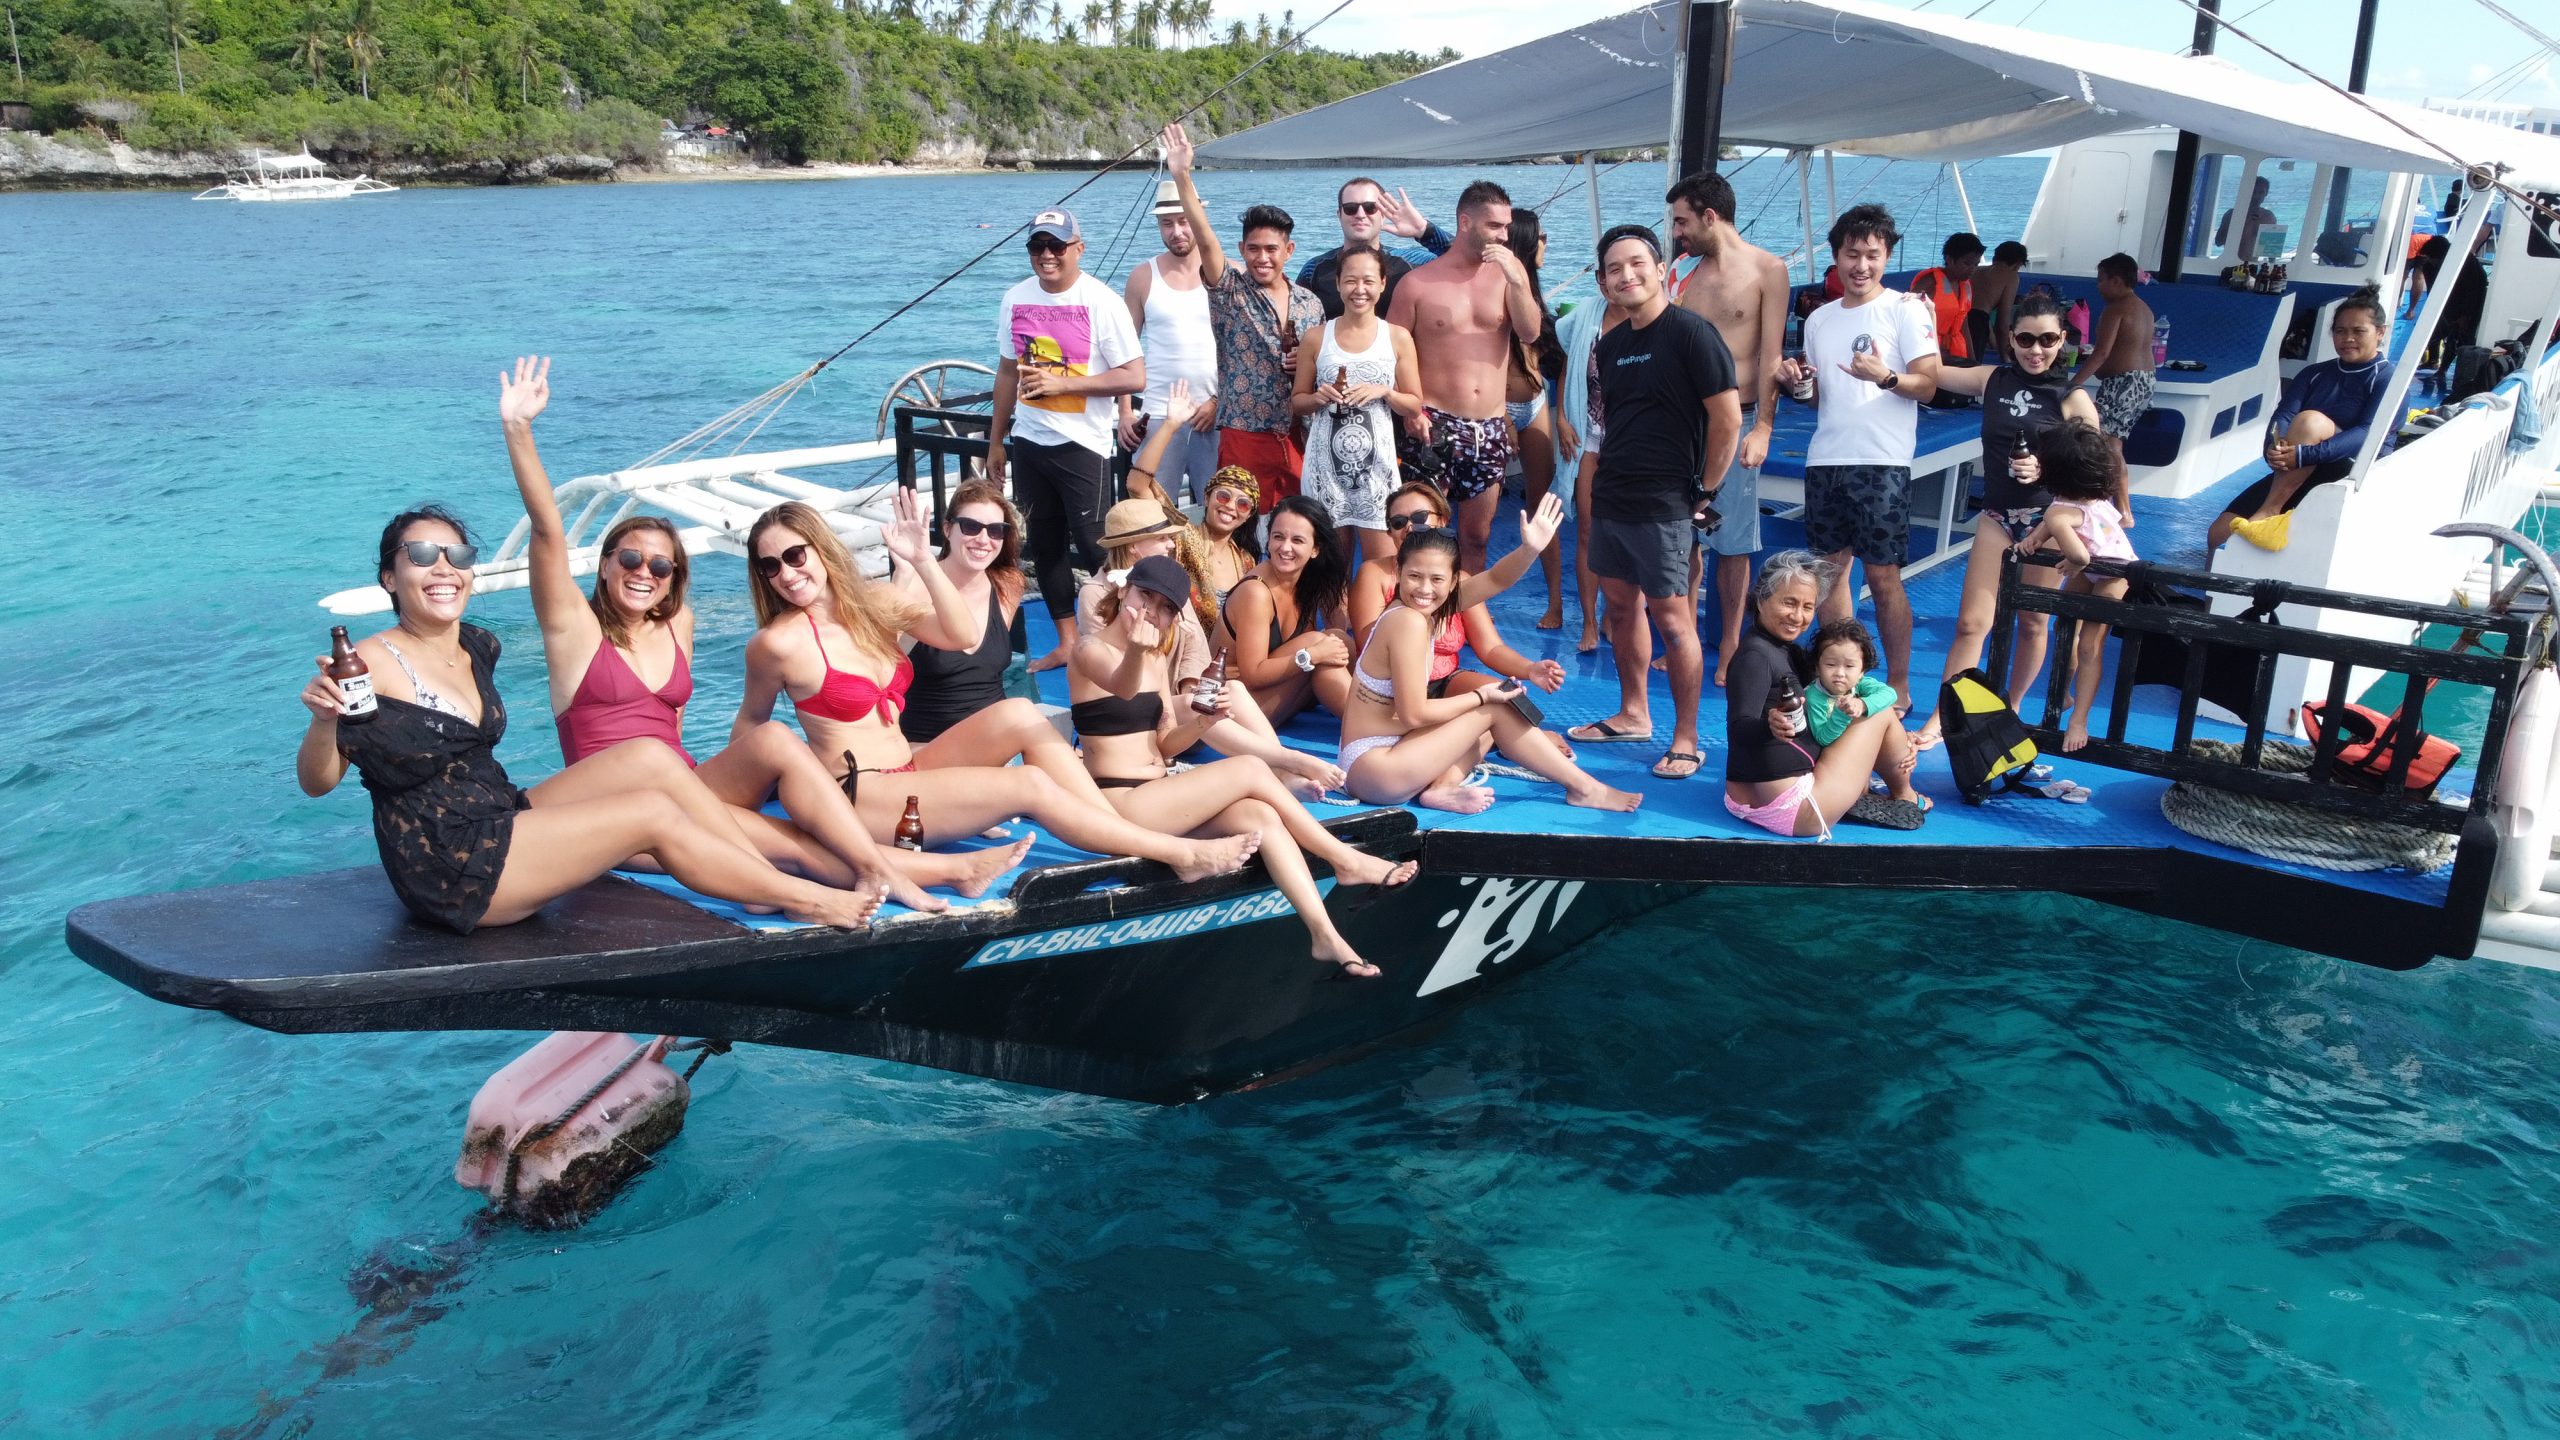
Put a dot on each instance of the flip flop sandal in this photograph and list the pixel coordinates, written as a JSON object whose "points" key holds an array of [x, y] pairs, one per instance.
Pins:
{"points": [[1603, 733], [1887, 813], [2053, 788], [1676, 757]]}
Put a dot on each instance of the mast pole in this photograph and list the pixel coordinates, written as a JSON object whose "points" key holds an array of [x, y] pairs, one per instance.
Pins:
{"points": [[2359, 65], [2182, 171], [1706, 58], [1804, 205], [1591, 182], [1963, 199]]}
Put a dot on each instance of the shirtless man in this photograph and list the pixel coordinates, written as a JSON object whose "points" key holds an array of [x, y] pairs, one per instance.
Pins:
{"points": [[1995, 298], [1463, 310], [1742, 290], [2117, 369]]}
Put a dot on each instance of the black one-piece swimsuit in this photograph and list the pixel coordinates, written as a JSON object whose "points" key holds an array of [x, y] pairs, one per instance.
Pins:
{"points": [[443, 808]]}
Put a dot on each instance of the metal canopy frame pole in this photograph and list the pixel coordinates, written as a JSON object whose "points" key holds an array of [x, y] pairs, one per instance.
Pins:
{"points": [[1591, 182], [2484, 197], [1831, 183], [1804, 206], [1956, 172], [1706, 61], [2182, 171]]}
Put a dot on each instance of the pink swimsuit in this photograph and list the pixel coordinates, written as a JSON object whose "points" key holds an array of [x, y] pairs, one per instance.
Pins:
{"points": [[612, 706]]}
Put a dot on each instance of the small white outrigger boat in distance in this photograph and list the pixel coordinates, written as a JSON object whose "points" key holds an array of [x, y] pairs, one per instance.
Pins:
{"points": [[293, 177]]}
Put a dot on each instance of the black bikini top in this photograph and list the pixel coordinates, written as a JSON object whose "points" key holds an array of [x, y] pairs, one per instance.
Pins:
{"points": [[1111, 715]]}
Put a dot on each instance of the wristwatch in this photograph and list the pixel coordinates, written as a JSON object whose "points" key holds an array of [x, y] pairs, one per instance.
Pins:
{"points": [[1306, 663], [1890, 381]]}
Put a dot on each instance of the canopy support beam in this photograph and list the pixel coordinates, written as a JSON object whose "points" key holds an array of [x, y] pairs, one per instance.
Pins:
{"points": [[1706, 56], [2482, 197], [1804, 205], [1591, 182], [2182, 171], [1962, 199]]}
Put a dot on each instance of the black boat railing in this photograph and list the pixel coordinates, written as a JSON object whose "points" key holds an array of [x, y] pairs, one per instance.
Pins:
{"points": [[2253, 640], [943, 440]]}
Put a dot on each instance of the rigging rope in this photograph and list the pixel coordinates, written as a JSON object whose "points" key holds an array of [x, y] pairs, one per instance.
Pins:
{"points": [[781, 395], [2285, 831]]}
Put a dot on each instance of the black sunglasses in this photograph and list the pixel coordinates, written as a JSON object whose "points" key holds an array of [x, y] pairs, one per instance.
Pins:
{"points": [[1416, 519], [659, 565], [1002, 530], [769, 566], [422, 553], [1045, 245], [1420, 529], [2031, 337], [1359, 207]]}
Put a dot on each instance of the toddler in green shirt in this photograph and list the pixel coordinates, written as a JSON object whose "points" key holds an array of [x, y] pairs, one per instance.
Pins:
{"points": [[1842, 691]]}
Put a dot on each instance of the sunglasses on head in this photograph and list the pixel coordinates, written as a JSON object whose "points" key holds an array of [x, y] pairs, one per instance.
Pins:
{"points": [[659, 565], [972, 528], [1359, 207], [769, 566], [1419, 519], [422, 553], [1418, 528], [1046, 245], [2037, 338]]}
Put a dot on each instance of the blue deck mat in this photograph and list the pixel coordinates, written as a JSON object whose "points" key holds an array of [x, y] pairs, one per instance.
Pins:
{"points": [[2124, 810]]}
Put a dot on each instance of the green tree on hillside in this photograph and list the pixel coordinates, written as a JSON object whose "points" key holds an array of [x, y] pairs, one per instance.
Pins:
{"points": [[314, 42], [364, 43]]}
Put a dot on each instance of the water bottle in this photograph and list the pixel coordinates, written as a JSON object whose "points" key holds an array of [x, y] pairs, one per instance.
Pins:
{"points": [[2160, 342]]}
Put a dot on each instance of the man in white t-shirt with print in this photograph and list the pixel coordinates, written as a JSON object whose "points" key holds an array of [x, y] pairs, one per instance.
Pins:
{"points": [[1068, 352], [1873, 357]]}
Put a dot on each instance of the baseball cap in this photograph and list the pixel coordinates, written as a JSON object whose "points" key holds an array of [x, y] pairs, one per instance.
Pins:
{"points": [[1163, 577], [1057, 224]]}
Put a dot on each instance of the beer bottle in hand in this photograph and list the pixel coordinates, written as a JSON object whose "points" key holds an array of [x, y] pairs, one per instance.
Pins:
{"points": [[1342, 382], [354, 680], [910, 834], [1205, 693], [2019, 450]]}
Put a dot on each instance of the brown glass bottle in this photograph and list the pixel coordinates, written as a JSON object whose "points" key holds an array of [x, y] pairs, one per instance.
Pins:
{"points": [[910, 834], [1204, 693], [352, 677]]}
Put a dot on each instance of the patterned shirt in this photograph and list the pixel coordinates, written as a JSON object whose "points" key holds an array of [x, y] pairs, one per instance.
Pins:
{"points": [[1253, 386]]}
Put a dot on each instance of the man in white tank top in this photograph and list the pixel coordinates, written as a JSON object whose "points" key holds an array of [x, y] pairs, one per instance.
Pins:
{"points": [[1171, 310]]}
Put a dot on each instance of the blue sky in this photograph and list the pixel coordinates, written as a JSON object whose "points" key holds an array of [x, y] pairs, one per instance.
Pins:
{"points": [[2423, 47]]}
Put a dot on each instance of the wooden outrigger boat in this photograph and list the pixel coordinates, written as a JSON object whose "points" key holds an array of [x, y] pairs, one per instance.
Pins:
{"points": [[1111, 978]]}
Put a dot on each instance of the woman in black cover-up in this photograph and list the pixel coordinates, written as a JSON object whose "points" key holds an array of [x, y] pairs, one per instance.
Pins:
{"points": [[445, 815]]}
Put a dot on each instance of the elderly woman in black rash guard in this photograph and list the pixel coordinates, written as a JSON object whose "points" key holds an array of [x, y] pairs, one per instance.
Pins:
{"points": [[1776, 776]]}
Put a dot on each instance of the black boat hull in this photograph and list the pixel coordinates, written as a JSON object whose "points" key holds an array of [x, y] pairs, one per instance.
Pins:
{"points": [[1157, 992]]}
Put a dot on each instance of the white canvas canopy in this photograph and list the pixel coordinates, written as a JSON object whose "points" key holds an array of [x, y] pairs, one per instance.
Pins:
{"points": [[1863, 78], [304, 161]]}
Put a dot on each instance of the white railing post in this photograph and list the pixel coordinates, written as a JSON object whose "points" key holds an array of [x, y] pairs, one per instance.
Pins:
{"points": [[2387, 417]]}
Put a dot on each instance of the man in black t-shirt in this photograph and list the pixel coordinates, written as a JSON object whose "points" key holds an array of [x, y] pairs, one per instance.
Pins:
{"points": [[1674, 418]]}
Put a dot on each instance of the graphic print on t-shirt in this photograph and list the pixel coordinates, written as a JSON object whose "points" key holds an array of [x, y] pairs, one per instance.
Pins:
{"points": [[1056, 338]]}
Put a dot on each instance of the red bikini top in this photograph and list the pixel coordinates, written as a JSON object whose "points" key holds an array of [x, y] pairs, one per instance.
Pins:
{"points": [[847, 697]]}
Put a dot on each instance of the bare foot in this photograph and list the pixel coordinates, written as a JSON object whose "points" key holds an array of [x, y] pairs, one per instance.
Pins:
{"points": [[984, 867], [1927, 736], [1222, 856], [1377, 870], [2076, 736], [1054, 660], [1902, 699], [1462, 799], [1720, 665], [1603, 797], [1349, 959], [1325, 774], [907, 892], [1589, 642], [844, 909], [1662, 662], [1563, 744], [1553, 619]]}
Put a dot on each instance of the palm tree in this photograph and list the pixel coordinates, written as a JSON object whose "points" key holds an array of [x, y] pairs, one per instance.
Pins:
{"points": [[456, 68], [520, 47], [1235, 34], [1118, 10], [313, 45], [364, 45], [1262, 32], [1288, 26], [179, 17], [1058, 20], [1093, 22]]}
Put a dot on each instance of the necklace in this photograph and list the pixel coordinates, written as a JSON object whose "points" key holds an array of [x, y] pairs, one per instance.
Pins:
{"points": [[451, 662]]}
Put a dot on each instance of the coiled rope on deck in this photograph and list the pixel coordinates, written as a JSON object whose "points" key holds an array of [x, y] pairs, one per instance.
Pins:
{"points": [[2300, 834]]}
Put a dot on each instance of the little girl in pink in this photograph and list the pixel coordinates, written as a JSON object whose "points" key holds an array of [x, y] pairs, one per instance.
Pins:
{"points": [[2083, 524]]}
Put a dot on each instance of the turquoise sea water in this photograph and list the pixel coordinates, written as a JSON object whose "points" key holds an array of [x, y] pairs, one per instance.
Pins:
{"points": [[1766, 1163]]}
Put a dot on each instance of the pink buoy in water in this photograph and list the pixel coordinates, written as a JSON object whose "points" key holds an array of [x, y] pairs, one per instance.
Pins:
{"points": [[551, 1137]]}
